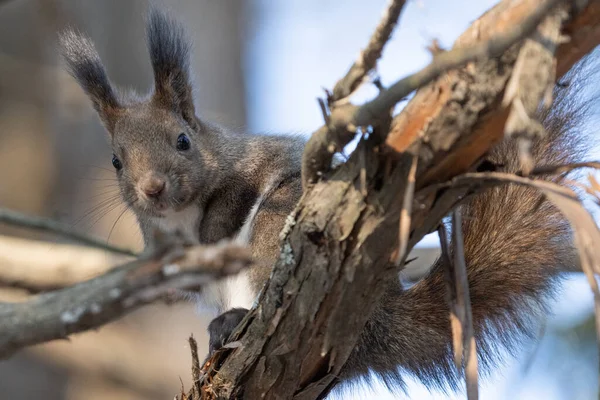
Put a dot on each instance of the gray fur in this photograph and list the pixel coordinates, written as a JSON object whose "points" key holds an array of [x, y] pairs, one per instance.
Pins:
{"points": [[84, 64]]}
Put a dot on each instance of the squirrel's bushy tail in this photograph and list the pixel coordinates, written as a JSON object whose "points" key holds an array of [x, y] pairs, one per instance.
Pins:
{"points": [[515, 250]]}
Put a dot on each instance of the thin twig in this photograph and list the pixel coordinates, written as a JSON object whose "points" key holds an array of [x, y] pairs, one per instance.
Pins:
{"points": [[47, 225], [324, 111], [561, 169], [531, 83], [367, 60], [475, 179], [451, 297], [195, 366], [404, 225], [464, 301]]}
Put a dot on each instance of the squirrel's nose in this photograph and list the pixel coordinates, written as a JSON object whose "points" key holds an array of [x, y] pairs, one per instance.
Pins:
{"points": [[152, 186]]}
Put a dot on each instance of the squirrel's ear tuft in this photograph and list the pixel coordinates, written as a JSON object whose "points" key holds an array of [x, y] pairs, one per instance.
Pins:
{"points": [[84, 64], [170, 53]]}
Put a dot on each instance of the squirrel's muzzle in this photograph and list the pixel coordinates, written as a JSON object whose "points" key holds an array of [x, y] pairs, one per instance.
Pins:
{"points": [[152, 186]]}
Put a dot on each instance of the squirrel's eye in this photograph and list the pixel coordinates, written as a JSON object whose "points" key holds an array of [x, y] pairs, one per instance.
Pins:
{"points": [[183, 142], [116, 163]]}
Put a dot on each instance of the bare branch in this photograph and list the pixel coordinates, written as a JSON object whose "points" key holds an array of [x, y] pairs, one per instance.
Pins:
{"points": [[474, 180], [446, 61], [38, 266], [344, 119], [90, 304], [561, 169], [532, 82], [431, 114], [405, 213], [367, 60], [47, 225]]}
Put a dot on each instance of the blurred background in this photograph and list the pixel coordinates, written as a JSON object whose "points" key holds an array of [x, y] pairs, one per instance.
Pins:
{"points": [[259, 65]]}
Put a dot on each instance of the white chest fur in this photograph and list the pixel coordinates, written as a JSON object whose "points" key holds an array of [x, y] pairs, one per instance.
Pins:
{"points": [[186, 221], [236, 291]]}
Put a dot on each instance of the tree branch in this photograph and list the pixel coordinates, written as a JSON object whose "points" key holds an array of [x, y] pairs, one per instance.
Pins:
{"points": [[344, 119], [367, 60], [38, 266], [432, 112], [90, 304], [47, 225]]}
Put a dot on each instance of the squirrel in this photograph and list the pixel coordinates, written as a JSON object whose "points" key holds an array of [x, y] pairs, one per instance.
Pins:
{"points": [[179, 172]]}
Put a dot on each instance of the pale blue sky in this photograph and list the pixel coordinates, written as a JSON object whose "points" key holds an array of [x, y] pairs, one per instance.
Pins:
{"points": [[298, 47]]}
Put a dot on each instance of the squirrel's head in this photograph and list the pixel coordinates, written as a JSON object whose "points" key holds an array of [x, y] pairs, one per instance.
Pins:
{"points": [[160, 148]]}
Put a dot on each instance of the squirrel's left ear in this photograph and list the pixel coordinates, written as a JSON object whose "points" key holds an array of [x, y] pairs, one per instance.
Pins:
{"points": [[170, 53], [84, 64]]}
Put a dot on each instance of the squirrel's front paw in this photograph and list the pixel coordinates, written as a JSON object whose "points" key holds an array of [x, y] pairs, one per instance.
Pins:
{"points": [[221, 328]]}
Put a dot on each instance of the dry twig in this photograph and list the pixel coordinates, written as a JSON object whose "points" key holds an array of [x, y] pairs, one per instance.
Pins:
{"points": [[405, 213], [464, 302], [39, 266], [531, 83], [47, 225], [367, 60], [195, 365]]}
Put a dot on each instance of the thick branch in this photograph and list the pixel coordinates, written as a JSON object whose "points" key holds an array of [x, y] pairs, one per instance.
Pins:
{"points": [[344, 120], [433, 109], [90, 304]]}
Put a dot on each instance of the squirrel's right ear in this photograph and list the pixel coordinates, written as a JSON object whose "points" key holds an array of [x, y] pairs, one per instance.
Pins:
{"points": [[170, 55], [84, 64]]}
